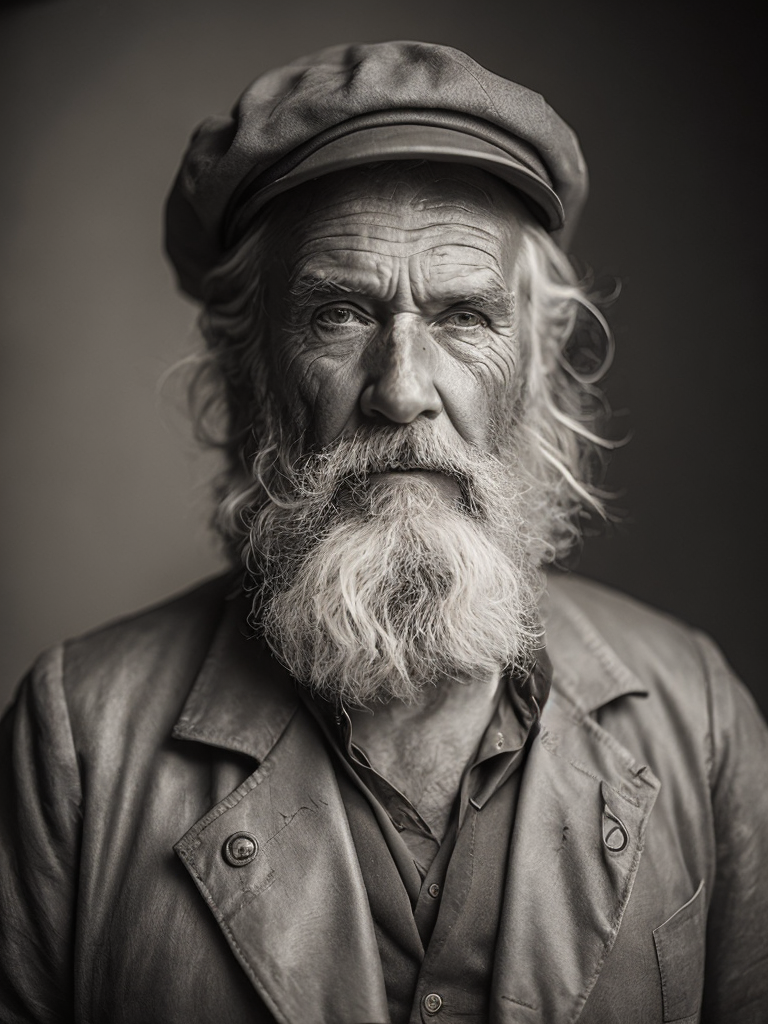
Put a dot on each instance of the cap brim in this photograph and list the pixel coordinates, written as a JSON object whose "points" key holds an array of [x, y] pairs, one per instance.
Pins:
{"points": [[407, 142]]}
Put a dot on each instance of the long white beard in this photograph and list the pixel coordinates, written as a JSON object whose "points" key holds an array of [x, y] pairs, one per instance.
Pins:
{"points": [[371, 590]]}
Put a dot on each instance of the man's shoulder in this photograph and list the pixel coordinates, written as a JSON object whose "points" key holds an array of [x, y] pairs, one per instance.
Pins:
{"points": [[201, 599], [177, 623], [623, 645], [616, 614], [141, 664]]}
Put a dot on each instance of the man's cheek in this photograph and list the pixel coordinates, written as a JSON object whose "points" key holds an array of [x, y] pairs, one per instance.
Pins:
{"points": [[502, 403], [291, 365], [503, 375], [476, 389], [324, 391]]}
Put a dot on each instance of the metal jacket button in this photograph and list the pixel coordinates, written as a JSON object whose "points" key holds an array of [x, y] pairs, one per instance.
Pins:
{"points": [[432, 1002], [240, 849], [615, 834], [434, 890]]}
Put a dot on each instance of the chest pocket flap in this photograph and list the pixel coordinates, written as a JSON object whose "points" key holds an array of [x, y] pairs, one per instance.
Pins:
{"points": [[680, 947]]}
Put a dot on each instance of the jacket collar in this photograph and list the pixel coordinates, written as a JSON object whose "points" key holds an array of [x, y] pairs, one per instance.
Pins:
{"points": [[587, 669], [242, 699]]}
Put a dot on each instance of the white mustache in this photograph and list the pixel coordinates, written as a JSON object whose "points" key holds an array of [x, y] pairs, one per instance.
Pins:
{"points": [[347, 465]]}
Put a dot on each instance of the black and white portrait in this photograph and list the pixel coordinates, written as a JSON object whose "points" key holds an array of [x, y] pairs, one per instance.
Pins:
{"points": [[381, 456]]}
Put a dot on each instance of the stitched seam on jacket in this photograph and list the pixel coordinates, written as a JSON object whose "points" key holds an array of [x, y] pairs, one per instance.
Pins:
{"points": [[598, 733], [61, 651], [703, 647], [191, 839], [240, 953]]}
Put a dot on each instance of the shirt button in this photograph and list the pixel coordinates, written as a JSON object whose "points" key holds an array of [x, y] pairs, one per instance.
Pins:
{"points": [[434, 890], [240, 849], [432, 1002]]}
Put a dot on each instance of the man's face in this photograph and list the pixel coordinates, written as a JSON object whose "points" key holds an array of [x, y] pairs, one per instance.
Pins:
{"points": [[392, 299], [393, 546]]}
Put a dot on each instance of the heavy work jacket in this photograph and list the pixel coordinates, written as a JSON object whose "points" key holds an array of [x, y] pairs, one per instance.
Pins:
{"points": [[638, 871]]}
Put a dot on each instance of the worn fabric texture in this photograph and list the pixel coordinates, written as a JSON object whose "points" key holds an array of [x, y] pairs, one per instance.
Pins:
{"points": [[637, 881]]}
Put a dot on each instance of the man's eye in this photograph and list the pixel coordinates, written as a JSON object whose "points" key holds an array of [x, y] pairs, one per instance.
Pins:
{"points": [[465, 319], [338, 316]]}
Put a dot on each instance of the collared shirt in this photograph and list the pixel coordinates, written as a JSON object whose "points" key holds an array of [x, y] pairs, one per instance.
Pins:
{"points": [[436, 902]]}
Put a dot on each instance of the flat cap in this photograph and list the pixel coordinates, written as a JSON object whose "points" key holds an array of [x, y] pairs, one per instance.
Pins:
{"points": [[357, 104]]}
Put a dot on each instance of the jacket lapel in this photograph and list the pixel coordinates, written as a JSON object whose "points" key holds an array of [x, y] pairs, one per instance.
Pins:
{"points": [[578, 837], [296, 914]]}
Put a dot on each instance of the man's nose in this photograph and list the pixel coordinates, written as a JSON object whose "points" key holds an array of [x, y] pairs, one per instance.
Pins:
{"points": [[402, 385]]}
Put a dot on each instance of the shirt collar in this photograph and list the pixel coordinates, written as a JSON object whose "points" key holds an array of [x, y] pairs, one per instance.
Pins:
{"points": [[515, 721]]}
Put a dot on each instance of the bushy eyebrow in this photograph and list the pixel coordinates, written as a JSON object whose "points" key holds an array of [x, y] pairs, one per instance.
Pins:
{"points": [[307, 288], [496, 301], [304, 288]]}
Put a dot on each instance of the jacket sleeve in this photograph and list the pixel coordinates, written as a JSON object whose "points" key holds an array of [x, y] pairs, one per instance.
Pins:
{"points": [[40, 814], [736, 988]]}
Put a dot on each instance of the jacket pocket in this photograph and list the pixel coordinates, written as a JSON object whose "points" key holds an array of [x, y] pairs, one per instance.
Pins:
{"points": [[680, 947]]}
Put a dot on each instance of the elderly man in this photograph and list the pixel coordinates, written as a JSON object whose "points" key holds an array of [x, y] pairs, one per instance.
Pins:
{"points": [[385, 770]]}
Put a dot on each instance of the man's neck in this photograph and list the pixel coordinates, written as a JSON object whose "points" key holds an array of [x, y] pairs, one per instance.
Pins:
{"points": [[423, 749]]}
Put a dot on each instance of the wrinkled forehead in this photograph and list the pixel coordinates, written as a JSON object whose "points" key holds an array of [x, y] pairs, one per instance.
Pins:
{"points": [[402, 209]]}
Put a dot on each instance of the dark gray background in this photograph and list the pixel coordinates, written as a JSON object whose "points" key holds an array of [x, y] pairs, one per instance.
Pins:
{"points": [[104, 495]]}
